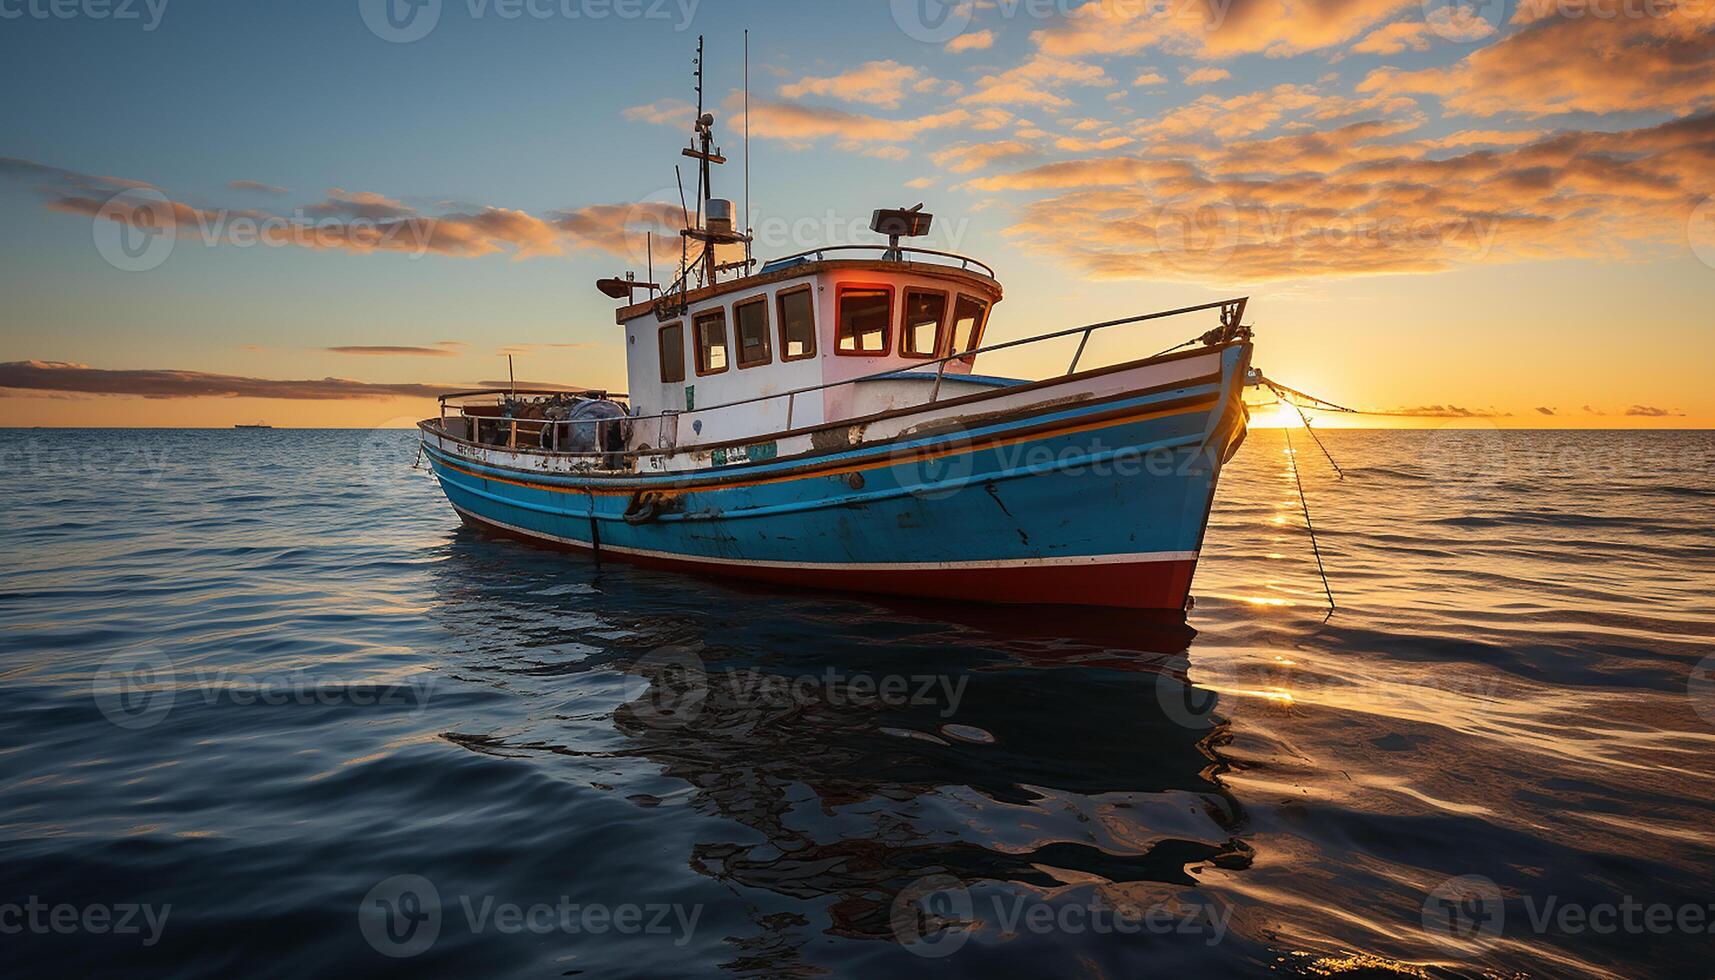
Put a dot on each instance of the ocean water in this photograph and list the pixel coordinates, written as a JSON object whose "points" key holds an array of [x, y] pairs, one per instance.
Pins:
{"points": [[267, 708]]}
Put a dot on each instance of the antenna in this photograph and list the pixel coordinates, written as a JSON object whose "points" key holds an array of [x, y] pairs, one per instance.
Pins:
{"points": [[649, 256], [684, 242], [748, 230], [511, 379], [703, 189]]}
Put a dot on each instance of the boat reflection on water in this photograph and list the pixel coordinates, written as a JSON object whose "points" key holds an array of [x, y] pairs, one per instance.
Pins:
{"points": [[850, 750]]}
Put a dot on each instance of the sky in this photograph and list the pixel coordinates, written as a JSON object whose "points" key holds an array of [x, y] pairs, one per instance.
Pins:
{"points": [[1489, 214]]}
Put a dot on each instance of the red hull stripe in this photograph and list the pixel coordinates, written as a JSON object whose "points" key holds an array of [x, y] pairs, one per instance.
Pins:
{"points": [[1155, 580]]}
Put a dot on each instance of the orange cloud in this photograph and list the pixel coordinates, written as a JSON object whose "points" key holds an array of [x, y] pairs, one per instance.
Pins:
{"points": [[962, 158], [1207, 76], [387, 351], [1355, 200], [1034, 83], [1073, 144], [797, 122], [255, 185], [1585, 64], [974, 41], [1396, 37], [880, 83], [63, 376], [1215, 28], [358, 204], [365, 222], [1102, 172]]}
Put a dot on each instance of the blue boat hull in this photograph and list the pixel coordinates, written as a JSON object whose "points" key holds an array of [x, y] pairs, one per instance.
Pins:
{"points": [[1093, 502]]}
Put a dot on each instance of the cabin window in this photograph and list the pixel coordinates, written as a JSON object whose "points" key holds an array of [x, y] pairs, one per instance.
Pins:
{"points": [[797, 323], [672, 353], [969, 317], [710, 328], [750, 324], [866, 313], [925, 312]]}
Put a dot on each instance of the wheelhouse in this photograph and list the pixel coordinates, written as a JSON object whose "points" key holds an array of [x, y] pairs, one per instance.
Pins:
{"points": [[803, 323]]}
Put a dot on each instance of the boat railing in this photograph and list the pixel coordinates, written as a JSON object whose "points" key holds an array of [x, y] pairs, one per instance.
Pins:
{"points": [[890, 252], [1232, 316]]}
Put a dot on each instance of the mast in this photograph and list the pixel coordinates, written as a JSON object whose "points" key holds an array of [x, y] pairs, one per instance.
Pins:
{"points": [[705, 185], [704, 151]]}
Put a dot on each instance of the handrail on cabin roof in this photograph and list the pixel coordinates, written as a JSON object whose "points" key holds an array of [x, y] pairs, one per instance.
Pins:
{"points": [[964, 260], [574, 392], [940, 363], [1233, 308]]}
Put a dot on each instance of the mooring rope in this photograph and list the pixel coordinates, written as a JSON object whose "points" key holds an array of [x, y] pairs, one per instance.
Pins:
{"points": [[1304, 502], [1280, 393]]}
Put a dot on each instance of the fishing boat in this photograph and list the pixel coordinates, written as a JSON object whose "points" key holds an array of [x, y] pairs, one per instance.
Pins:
{"points": [[820, 421], [253, 425]]}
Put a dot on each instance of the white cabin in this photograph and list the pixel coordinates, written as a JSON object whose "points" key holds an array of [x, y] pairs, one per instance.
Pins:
{"points": [[800, 323]]}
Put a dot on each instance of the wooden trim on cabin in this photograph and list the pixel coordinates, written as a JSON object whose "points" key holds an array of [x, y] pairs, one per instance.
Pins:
{"points": [[703, 370], [780, 317], [974, 281], [942, 333], [977, 331], [840, 291], [761, 300], [678, 355]]}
